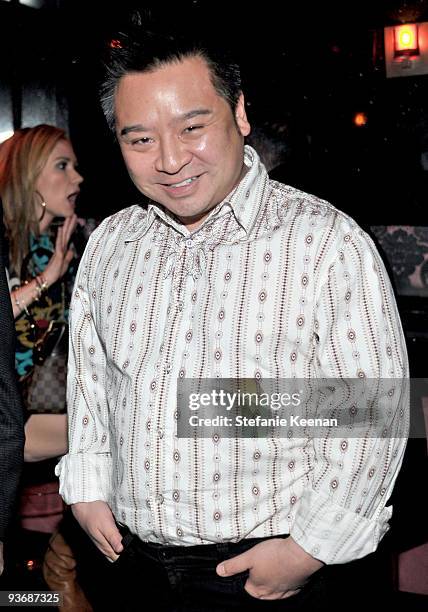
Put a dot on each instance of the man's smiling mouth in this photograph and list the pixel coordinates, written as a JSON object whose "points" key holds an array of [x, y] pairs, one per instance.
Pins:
{"points": [[182, 183]]}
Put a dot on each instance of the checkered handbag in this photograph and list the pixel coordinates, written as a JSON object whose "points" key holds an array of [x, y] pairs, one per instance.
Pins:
{"points": [[44, 388]]}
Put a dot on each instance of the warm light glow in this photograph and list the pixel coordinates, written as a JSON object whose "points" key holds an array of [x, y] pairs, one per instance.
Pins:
{"points": [[360, 119], [30, 564], [406, 39], [115, 43]]}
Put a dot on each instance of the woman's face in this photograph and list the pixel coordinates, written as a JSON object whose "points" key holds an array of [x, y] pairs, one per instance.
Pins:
{"points": [[58, 183]]}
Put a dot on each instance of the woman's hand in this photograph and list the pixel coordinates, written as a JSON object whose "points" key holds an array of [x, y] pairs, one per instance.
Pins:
{"points": [[60, 260]]}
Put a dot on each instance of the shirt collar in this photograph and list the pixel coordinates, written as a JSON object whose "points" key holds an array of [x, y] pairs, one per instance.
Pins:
{"points": [[244, 201]]}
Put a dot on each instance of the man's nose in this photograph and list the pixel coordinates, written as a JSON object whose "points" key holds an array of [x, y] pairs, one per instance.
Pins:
{"points": [[173, 156]]}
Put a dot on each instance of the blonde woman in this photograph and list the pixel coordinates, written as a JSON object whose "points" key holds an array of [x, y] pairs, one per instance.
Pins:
{"points": [[39, 182]]}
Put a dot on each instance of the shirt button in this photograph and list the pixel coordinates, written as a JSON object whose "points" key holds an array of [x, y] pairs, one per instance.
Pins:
{"points": [[160, 433], [189, 243], [168, 368], [159, 499], [180, 305]]}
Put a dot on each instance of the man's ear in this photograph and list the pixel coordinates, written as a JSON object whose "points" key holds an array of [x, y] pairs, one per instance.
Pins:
{"points": [[241, 117]]}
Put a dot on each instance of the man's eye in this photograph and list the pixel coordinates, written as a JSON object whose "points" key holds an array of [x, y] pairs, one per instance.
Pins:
{"points": [[143, 141], [193, 128]]}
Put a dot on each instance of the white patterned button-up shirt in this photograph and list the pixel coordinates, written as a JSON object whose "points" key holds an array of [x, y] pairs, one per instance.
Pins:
{"points": [[275, 283]]}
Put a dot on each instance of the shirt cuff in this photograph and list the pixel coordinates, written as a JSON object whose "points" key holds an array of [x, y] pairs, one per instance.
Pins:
{"points": [[334, 534], [85, 477]]}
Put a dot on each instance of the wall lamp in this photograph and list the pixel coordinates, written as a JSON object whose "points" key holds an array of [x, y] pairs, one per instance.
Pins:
{"points": [[406, 49], [406, 40]]}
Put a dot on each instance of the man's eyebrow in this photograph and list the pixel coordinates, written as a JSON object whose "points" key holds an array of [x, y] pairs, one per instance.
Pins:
{"points": [[186, 116], [133, 128], [195, 113]]}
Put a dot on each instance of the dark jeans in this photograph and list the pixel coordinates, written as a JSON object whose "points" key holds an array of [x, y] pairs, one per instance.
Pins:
{"points": [[152, 578], [183, 579]]}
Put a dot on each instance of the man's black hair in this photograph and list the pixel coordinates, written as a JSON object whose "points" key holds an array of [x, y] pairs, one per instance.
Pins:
{"points": [[143, 50]]}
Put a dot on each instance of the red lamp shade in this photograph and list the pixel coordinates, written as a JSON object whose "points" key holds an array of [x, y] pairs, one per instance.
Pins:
{"points": [[406, 41]]}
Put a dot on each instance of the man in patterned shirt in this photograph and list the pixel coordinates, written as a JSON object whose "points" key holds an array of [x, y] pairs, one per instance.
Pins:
{"points": [[220, 273]]}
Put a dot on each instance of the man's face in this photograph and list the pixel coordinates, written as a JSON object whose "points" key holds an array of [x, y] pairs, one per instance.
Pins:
{"points": [[180, 141]]}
